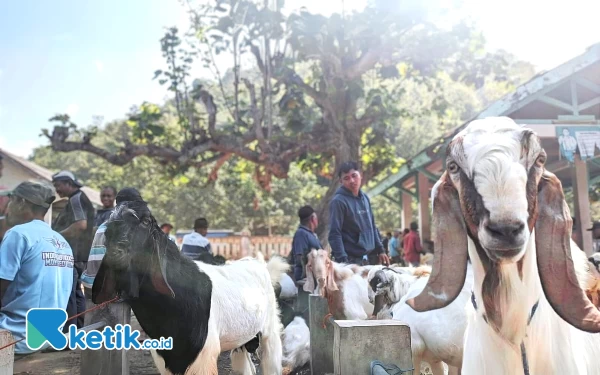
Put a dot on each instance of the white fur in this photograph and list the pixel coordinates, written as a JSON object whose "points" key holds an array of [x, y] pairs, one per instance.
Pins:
{"points": [[243, 303], [288, 287], [553, 346], [437, 335], [351, 282], [296, 344]]}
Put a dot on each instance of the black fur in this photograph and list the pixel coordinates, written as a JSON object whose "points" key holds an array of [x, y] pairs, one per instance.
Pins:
{"points": [[133, 245]]}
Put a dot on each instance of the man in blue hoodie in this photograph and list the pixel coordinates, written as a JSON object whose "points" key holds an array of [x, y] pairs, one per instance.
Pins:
{"points": [[353, 235]]}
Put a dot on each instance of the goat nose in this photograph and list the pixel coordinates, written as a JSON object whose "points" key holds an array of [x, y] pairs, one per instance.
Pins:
{"points": [[321, 280], [505, 229]]}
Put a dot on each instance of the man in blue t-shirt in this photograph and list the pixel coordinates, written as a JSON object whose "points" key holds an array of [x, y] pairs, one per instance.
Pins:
{"points": [[305, 239], [36, 263]]}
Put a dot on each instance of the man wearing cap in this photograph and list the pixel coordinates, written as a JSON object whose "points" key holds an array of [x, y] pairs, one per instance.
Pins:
{"points": [[595, 236], [76, 224], [166, 228], [36, 263], [305, 239]]}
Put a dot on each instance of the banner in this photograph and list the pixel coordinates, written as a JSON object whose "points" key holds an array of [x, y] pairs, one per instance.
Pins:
{"points": [[584, 139]]}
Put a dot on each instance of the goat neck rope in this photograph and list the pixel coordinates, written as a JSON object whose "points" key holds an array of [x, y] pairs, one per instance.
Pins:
{"points": [[523, 351]]}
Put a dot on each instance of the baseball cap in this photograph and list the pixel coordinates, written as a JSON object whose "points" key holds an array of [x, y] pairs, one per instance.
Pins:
{"points": [[39, 194], [596, 225], [305, 212], [64, 176]]}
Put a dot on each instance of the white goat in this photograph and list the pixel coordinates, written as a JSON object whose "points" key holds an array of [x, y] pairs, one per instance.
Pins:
{"points": [[392, 283], [498, 204], [436, 336], [296, 345], [343, 285], [593, 287]]}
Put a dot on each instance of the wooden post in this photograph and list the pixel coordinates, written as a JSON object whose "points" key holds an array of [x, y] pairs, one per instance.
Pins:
{"points": [[406, 210], [424, 214], [104, 361], [358, 342], [582, 205], [7, 355], [321, 339]]}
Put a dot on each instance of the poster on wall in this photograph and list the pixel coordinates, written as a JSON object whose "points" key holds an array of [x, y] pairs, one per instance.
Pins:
{"points": [[578, 139]]}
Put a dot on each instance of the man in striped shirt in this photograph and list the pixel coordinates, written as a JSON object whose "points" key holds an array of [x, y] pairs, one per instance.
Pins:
{"points": [[195, 244]]}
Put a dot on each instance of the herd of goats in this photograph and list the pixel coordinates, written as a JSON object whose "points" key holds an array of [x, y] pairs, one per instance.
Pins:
{"points": [[508, 291]]}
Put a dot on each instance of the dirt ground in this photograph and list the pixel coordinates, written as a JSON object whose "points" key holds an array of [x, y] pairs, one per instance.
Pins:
{"points": [[67, 362]]}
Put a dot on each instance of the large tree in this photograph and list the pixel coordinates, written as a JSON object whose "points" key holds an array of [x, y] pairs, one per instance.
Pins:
{"points": [[321, 90]]}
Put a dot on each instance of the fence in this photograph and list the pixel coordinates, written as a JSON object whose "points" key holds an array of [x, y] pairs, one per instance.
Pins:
{"points": [[230, 247]]}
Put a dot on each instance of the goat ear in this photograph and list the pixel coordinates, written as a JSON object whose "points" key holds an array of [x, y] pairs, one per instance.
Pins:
{"points": [[105, 284], [309, 285], [555, 264], [450, 257], [159, 279], [331, 286]]}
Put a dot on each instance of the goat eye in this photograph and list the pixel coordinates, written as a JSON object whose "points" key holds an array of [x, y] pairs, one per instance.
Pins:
{"points": [[452, 167]]}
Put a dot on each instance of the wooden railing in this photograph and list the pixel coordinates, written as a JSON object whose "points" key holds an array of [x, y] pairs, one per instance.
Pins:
{"points": [[230, 247]]}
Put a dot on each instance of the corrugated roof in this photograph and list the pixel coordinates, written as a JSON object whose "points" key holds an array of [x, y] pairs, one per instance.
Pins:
{"points": [[46, 174]]}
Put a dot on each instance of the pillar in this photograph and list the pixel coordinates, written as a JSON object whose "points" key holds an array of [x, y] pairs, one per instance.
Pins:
{"points": [[581, 197], [406, 210], [424, 214]]}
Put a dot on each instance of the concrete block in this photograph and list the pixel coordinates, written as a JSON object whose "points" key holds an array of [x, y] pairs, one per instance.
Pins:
{"points": [[321, 339], [358, 342], [7, 355], [104, 361]]}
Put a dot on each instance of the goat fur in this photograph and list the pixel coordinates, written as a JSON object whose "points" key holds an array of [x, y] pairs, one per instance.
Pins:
{"points": [[553, 346], [296, 344], [344, 279], [205, 308], [436, 335]]}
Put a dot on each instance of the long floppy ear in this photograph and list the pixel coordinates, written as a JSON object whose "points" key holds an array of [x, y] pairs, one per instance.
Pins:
{"points": [[309, 285], [105, 284], [159, 281], [555, 264], [331, 286], [449, 269]]}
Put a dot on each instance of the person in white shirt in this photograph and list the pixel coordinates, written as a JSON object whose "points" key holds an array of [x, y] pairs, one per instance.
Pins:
{"points": [[195, 244]]}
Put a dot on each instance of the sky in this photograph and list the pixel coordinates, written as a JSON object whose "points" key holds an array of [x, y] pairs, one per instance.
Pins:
{"points": [[97, 58]]}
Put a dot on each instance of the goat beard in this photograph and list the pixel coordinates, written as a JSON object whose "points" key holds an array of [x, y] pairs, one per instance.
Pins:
{"points": [[503, 295]]}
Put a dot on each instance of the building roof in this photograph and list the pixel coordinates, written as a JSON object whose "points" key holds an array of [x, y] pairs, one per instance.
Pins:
{"points": [[511, 104], [46, 175]]}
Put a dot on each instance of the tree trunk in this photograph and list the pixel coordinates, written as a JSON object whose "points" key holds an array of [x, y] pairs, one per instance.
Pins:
{"points": [[348, 150]]}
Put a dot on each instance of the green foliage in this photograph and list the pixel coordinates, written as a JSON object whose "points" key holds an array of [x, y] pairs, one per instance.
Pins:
{"points": [[377, 86]]}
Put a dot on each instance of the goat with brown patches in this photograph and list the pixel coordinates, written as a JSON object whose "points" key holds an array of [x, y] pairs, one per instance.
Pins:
{"points": [[593, 286], [342, 284], [497, 204]]}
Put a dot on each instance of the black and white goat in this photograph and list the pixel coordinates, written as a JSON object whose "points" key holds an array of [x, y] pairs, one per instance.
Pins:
{"points": [[497, 205], [205, 308], [436, 336]]}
